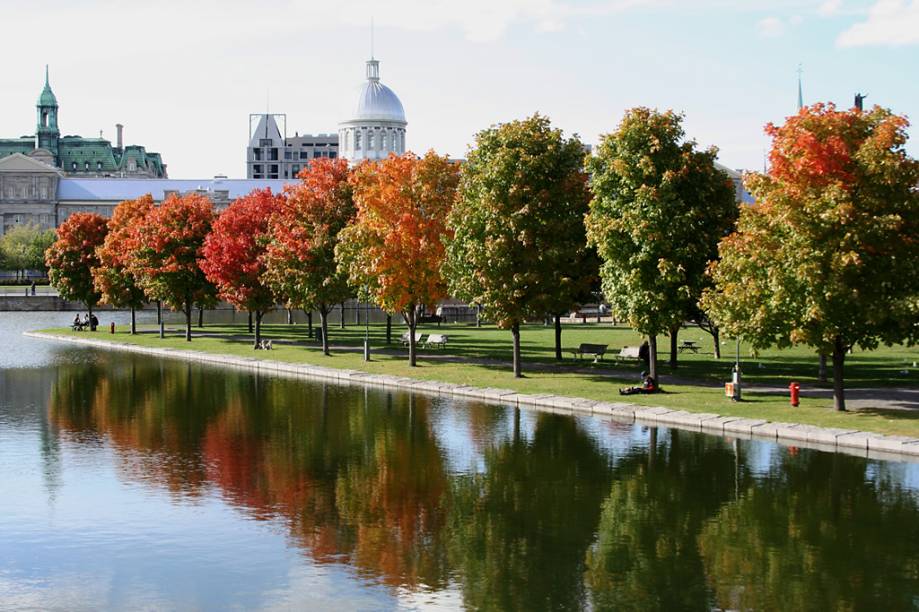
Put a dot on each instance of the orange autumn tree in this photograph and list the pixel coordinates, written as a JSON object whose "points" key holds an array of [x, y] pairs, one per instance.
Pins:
{"points": [[300, 257], [112, 277], [829, 255], [394, 250], [234, 254], [72, 257]]}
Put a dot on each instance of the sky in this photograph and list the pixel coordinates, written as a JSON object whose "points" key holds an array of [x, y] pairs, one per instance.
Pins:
{"points": [[183, 77]]}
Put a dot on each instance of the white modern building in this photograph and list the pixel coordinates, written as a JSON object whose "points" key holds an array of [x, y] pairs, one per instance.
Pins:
{"points": [[376, 127]]}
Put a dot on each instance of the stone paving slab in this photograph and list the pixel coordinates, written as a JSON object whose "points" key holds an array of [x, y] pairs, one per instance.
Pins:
{"points": [[888, 448]]}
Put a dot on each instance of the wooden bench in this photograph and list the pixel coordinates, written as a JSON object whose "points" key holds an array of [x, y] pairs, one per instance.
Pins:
{"points": [[597, 350], [418, 338], [438, 340], [630, 352]]}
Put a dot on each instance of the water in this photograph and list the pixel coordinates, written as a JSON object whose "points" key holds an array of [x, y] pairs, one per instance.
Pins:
{"points": [[132, 483]]}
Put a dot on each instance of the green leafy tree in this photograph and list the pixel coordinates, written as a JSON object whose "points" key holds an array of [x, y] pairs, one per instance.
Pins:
{"points": [[518, 244], [23, 248], [829, 257], [72, 257], [660, 207]]}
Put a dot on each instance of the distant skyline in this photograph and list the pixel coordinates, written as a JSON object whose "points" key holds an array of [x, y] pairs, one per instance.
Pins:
{"points": [[183, 78]]}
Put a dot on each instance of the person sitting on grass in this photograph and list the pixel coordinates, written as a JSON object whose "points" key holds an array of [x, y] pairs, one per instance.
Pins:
{"points": [[649, 385]]}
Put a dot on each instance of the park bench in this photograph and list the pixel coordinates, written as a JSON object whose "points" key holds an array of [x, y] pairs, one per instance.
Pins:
{"points": [[438, 340], [418, 338], [597, 350], [630, 352]]}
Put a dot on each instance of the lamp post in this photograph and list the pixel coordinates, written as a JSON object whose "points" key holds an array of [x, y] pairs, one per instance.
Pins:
{"points": [[367, 328]]}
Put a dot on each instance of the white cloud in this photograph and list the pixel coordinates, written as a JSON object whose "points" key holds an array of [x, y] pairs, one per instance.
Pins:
{"points": [[771, 27], [829, 7], [890, 23]]}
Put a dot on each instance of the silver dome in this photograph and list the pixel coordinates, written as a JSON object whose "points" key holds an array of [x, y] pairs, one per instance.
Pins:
{"points": [[377, 102]]}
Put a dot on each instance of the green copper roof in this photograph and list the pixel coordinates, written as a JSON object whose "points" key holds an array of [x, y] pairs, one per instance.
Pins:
{"points": [[47, 96]]}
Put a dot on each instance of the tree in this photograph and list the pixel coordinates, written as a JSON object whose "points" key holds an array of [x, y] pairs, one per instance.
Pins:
{"points": [[167, 252], [23, 248], [72, 257], [112, 278], [828, 257], [300, 257], [234, 254], [394, 248], [659, 209], [519, 248]]}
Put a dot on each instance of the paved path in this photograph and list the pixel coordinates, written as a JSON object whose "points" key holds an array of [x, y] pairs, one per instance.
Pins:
{"points": [[872, 398]]}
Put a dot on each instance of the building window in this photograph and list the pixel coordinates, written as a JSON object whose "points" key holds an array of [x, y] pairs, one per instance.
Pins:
{"points": [[304, 154], [295, 171], [357, 141], [73, 165], [287, 155], [273, 169], [273, 155], [257, 154], [257, 168], [98, 165], [333, 154]]}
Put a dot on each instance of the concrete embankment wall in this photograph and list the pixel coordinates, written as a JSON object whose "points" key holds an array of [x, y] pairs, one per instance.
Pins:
{"points": [[849, 441]]}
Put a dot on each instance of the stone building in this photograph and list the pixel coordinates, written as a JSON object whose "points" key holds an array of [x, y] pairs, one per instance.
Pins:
{"points": [[271, 155], [376, 127], [79, 156], [33, 192]]}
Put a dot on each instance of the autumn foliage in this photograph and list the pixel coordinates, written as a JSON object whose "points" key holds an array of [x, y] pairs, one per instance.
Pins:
{"points": [[72, 257], [395, 246], [112, 277], [300, 257], [829, 256], [234, 253], [168, 250]]}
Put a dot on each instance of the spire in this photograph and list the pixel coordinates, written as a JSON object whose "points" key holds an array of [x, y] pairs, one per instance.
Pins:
{"points": [[47, 84], [371, 38], [800, 92]]}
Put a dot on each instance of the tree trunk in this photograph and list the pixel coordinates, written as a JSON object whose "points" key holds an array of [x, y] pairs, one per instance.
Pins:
{"points": [[188, 320], [290, 316], [652, 357], [342, 318], [258, 328], [357, 313], [716, 338], [159, 312], [309, 322], [412, 323], [821, 369], [89, 308], [558, 337], [388, 328], [515, 330], [324, 327], [133, 321], [839, 360], [674, 333], [250, 321], [200, 316], [478, 316]]}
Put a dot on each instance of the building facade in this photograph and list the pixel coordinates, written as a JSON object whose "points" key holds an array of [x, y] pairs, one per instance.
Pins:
{"points": [[377, 125], [33, 192], [273, 155], [79, 156]]}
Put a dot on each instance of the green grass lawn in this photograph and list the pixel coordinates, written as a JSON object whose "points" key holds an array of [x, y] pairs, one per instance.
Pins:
{"points": [[481, 356]]}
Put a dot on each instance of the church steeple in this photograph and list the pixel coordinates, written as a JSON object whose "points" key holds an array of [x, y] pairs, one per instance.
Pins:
{"points": [[800, 92], [47, 133]]}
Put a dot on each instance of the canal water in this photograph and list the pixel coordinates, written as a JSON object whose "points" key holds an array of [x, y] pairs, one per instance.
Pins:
{"points": [[128, 482]]}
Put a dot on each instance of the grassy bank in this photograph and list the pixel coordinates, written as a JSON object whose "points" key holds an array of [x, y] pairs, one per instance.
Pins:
{"points": [[480, 357]]}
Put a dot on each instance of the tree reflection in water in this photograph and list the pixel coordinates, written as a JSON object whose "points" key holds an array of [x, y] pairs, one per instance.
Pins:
{"points": [[548, 520]]}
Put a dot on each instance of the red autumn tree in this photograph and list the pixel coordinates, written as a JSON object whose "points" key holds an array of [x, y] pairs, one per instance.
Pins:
{"points": [[72, 257], [167, 252], [300, 257], [829, 255], [394, 250], [234, 254], [112, 278]]}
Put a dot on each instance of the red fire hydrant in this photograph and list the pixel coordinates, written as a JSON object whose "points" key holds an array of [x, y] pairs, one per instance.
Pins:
{"points": [[795, 389], [112, 328]]}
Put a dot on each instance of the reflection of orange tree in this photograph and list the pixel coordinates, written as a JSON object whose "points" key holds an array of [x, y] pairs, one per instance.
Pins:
{"points": [[816, 536], [645, 556], [520, 530], [152, 412]]}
